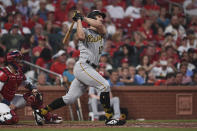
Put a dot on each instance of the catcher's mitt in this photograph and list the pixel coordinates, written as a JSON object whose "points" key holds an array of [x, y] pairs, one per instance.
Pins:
{"points": [[35, 100]]}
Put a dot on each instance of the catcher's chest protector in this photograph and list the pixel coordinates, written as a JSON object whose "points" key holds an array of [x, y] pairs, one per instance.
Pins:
{"points": [[12, 84]]}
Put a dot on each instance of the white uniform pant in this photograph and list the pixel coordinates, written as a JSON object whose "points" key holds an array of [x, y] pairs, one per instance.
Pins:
{"points": [[18, 101], [85, 76], [114, 102]]}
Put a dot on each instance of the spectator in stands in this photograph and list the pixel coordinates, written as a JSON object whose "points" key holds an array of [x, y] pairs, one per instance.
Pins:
{"points": [[145, 63], [146, 31], [187, 60], [50, 6], [192, 39], [192, 53], [183, 47], [102, 70], [34, 22], [179, 78], [42, 79], [61, 12], [42, 43], [110, 26], [124, 53], [115, 11], [169, 41], [69, 21], [132, 73], [150, 51], [38, 31], [44, 59], [80, 7], [172, 53], [194, 79], [94, 102], [140, 77], [125, 77], [34, 6], [190, 7], [138, 40], [59, 64], [42, 12], [68, 75], [10, 21], [183, 69], [162, 20], [13, 39], [161, 70], [106, 60], [24, 9], [114, 79], [176, 10], [151, 79], [3, 12], [175, 28], [99, 5], [51, 17], [159, 37], [133, 11], [72, 45], [169, 81]]}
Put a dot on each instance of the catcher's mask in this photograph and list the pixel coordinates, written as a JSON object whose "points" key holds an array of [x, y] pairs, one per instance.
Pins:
{"points": [[14, 58]]}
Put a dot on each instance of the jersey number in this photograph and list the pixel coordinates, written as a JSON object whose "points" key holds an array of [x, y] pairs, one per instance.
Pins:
{"points": [[100, 49]]}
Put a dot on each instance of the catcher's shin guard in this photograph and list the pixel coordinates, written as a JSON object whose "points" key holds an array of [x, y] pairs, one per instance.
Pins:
{"points": [[105, 101]]}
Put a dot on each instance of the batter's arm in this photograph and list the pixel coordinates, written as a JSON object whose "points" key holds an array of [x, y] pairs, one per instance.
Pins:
{"points": [[80, 32], [97, 24]]}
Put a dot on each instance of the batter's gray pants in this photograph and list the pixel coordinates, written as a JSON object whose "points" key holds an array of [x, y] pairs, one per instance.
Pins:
{"points": [[85, 76]]}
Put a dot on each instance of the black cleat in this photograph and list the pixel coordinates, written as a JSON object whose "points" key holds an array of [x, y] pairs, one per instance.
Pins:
{"points": [[39, 119], [115, 122]]}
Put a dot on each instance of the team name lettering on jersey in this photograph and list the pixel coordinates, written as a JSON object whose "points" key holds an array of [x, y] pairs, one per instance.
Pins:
{"points": [[91, 38]]}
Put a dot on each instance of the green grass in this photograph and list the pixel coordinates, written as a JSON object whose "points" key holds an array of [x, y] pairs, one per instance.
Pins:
{"points": [[103, 129]]}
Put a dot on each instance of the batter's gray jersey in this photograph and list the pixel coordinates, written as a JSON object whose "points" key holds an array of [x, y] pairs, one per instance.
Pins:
{"points": [[92, 47], [85, 75]]}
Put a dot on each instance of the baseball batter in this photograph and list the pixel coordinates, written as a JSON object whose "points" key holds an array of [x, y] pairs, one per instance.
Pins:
{"points": [[90, 45]]}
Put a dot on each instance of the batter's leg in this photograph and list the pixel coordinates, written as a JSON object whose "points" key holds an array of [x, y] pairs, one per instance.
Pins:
{"points": [[91, 77], [75, 91]]}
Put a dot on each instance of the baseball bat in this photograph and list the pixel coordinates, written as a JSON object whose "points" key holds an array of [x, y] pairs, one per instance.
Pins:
{"points": [[66, 37]]}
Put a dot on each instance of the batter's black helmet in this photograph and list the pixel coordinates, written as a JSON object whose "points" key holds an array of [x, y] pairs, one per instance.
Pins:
{"points": [[94, 13]]}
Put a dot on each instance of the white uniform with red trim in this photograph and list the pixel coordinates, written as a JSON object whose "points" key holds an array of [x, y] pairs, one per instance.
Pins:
{"points": [[84, 70]]}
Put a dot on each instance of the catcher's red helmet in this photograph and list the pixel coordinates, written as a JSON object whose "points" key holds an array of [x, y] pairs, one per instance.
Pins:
{"points": [[13, 56]]}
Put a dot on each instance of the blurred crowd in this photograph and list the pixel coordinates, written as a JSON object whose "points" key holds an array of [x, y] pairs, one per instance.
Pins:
{"points": [[150, 42]]}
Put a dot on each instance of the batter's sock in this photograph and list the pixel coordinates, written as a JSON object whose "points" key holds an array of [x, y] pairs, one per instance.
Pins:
{"points": [[105, 101], [56, 104]]}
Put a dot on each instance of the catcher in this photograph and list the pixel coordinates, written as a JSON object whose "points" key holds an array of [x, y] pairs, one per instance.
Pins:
{"points": [[11, 77]]}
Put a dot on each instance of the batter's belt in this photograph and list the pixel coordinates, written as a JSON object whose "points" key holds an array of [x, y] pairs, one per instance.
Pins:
{"points": [[91, 64]]}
